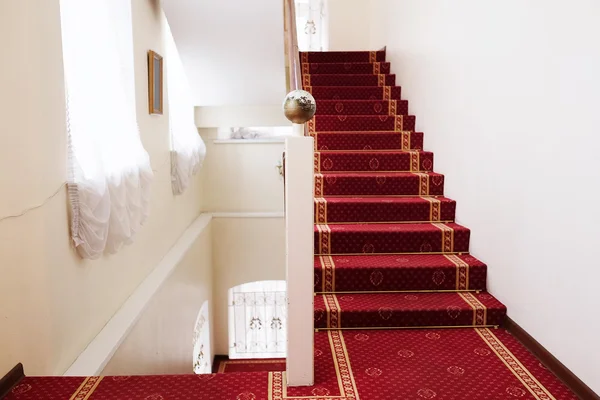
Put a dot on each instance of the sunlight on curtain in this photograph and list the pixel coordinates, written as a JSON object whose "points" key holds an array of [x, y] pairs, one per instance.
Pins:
{"points": [[187, 148], [109, 169], [258, 320], [312, 25]]}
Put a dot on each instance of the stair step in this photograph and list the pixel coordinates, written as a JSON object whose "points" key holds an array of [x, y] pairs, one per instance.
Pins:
{"points": [[379, 184], [398, 161], [335, 123], [383, 209], [402, 310], [410, 272], [348, 80], [362, 107], [346, 68], [341, 56], [357, 239], [368, 140], [355, 92]]}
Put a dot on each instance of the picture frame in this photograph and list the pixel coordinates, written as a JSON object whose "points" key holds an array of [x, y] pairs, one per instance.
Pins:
{"points": [[155, 83]]}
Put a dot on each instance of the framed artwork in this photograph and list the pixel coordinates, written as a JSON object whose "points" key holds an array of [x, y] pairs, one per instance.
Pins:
{"points": [[155, 83]]}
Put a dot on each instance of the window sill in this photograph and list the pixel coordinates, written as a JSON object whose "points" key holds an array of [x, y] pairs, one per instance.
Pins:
{"points": [[250, 141]]}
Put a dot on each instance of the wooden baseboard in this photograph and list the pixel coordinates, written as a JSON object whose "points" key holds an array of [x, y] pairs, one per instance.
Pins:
{"points": [[559, 369], [9, 381]]}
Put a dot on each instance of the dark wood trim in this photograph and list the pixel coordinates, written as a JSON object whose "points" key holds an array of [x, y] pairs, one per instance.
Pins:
{"points": [[217, 362], [582, 390], [9, 380]]}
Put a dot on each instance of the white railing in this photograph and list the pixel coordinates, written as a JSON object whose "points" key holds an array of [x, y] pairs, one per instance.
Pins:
{"points": [[258, 324]]}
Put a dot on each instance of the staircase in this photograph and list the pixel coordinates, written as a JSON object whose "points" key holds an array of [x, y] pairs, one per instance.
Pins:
{"points": [[388, 253]]}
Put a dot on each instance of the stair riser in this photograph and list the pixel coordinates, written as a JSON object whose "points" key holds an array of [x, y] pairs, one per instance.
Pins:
{"points": [[364, 107], [346, 68], [412, 162], [392, 242], [345, 123], [369, 141], [348, 80], [357, 185], [387, 318], [342, 57], [425, 211], [399, 279], [354, 92]]}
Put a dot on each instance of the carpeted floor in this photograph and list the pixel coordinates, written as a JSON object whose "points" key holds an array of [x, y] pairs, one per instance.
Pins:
{"points": [[250, 365], [387, 255]]}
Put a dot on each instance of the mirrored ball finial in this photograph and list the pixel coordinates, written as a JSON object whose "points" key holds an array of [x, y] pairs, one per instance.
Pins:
{"points": [[299, 106]]}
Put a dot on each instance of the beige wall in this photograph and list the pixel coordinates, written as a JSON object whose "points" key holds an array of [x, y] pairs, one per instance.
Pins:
{"points": [[242, 177], [51, 302], [161, 341], [349, 24], [507, 94]]}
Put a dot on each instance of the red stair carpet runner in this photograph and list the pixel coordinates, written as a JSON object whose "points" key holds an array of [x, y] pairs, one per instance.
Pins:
{"points": [[387, 255]]}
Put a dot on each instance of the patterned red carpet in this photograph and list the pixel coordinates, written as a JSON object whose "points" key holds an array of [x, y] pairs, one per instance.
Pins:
{"points": [[387, 255], [252, 365]]}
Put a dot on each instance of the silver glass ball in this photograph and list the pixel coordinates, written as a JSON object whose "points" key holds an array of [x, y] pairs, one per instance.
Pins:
{"points": [[299, 106]]}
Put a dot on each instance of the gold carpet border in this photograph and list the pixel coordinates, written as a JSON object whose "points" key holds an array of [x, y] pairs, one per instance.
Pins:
{"points": [[319, 181], [376, 68], [423, 183], [415, 161], [321, 212], [447, 237], [392, 107], [305, 68], [399, 123], [317, 161], [381, 80], [333, 311], [306, 80], [304, 57], [372, 56], [406, 140], [515, 366], [462, 272], [479, 309], [328, 276], [311, 127], [324, 238], [387, 93], [308, 89], [435, 206], [87, 388]]}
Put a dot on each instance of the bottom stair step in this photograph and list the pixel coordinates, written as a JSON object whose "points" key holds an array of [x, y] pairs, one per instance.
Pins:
{"points": [[402, 310]]}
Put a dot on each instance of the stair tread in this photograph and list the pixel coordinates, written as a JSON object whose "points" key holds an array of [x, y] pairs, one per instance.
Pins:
{"points": [[378, 173], [383, 199], [392, 227], [383, 261], [408, 301]]}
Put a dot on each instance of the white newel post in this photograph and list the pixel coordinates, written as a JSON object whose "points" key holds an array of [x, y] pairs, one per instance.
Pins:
{"points": [[299, 208]]}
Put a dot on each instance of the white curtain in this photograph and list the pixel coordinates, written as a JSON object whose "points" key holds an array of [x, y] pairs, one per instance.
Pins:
{"points": [[187, 148], [312, 25], [109, 169], [258, 320]]}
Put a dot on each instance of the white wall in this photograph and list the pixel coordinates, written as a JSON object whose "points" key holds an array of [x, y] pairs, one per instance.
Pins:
{"points": [[52, 304], [242, 185], [161, 341], [507, 95], [349, 25], [233, 51]]}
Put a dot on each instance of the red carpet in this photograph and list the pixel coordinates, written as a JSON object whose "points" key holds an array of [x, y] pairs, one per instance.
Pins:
{"points": [[450, 364], [253, 365]]}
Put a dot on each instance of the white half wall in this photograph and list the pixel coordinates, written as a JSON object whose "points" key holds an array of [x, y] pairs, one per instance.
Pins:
{"points": [[507, 94]]}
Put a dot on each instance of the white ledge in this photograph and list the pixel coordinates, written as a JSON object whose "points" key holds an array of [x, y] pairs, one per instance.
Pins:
{"points": [[269, 214], [250, 141]]}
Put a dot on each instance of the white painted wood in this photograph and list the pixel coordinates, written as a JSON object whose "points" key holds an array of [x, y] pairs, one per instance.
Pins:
{"points": [[299, 259], [271, 214], [298, 129], [100, 350]]}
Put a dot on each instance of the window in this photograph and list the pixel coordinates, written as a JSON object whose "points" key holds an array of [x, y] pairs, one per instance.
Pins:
{"points": [[258, 320], [109, 169], [187, 148]]}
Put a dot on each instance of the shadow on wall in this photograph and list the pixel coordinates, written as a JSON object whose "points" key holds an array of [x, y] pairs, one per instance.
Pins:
{"points": [[257, 315]]}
